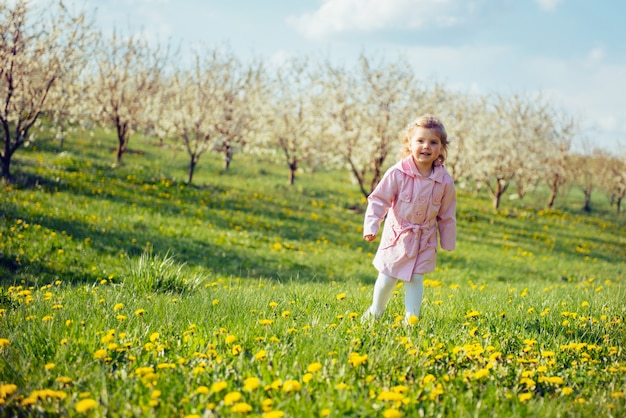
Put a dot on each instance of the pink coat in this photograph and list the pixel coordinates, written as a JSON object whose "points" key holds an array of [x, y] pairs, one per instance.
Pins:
{"points": [[415, 207]]}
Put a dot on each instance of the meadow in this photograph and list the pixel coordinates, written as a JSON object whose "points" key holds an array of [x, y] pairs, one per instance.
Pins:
{"points": [[127, 292]]}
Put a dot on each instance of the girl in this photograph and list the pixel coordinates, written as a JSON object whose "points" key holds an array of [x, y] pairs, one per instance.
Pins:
{"points": [[418, 197]]}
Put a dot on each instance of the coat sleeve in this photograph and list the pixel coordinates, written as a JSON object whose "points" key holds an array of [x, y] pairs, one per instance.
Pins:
{"points": [[446, 219], [379, 202]]}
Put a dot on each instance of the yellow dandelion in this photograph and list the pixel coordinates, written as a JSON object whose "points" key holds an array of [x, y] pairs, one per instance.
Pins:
{"points": [[218, 386], [49, 366], [481, 374], [390, 396], [230, 339], [99, 354], [118, 306], [4, 342], [286, 314], [341, 296], [413, 320], [241, 407], [139, 312], [273, 304], [7, 389], [314, 367], [85, 405], [266, 321], [292, 386], [325, 412], [356, 359], [472, 314], [202, 390], [567, 391], [526, 396], [231, 398], [392, 413], [273, 414], [261, 355], [236, 350], [307, 377], [251, 383]]}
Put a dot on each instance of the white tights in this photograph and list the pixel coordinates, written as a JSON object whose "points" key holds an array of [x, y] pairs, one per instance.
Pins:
{"points": [[383, 288]]}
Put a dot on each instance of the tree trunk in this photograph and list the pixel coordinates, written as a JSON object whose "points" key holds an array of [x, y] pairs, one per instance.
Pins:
{"points": [[619, 205], [228, 157], [587, 205], [292, 173], [553, 193], [192, 168], [6, 168], [122, 142]]}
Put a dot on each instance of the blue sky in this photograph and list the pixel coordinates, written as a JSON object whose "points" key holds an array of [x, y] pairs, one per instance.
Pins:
{"points": [[574, 51]]}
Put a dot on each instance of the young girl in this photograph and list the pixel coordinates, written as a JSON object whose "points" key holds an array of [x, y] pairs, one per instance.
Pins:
{"points": [[417, 196]]}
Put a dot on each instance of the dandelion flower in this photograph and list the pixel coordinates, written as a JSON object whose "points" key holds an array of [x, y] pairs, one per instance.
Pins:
{"points": [[392, 413], [251, 383], [273, 414], [139, 312], [231, 398], [218, 386], [230, 339], [202, 390], [7, 389], [241, 407], [341, 296], [390, 396], [523, 397], [85, 405], [356, 359], [314, 367], [4, 342], [118, 306], [412, 320], [292, 386], [99, 354], [261, 355]]}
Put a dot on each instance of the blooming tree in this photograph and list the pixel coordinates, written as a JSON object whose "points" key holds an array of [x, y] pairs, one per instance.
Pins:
{"points": [[367, 108], [557, 155], [197, 102], [37, 53], [289, 116], [128, 73], [238, 107]]}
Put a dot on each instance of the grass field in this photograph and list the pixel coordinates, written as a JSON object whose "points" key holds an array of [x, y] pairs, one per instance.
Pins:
{"points": [[126, 292]]}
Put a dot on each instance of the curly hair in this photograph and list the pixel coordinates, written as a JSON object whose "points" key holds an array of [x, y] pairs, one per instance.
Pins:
{"points": [[429, 122]]}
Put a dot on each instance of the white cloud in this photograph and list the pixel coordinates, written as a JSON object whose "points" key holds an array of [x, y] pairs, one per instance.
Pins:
{"points": [[337, 16], [548, 5]]}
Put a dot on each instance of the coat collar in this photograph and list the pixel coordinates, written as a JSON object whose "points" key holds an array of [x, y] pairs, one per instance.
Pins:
{"points": [[407, 166]]}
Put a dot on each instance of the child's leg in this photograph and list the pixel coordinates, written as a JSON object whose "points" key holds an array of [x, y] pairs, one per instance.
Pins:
{"points": [[383, 289], [414, 291]]}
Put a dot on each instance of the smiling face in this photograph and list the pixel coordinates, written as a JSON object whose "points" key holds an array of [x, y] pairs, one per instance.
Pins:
{"points": [[425, 146]]}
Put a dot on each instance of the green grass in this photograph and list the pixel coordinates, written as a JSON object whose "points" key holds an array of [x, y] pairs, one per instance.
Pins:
{"points": [[130, 288]]}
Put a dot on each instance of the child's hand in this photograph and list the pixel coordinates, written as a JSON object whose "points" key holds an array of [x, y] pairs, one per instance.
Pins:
{"points": [[369, 237]]}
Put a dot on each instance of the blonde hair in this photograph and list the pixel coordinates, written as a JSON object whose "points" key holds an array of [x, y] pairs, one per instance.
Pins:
{"points": [[429, 122]]}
